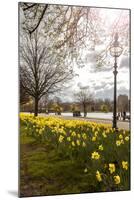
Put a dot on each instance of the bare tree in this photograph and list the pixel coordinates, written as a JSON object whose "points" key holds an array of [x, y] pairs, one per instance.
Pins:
{"points": [[34, 13], [69, 25], [23, 96], [84, 97], [65, 31], [41, 71], [78, 27], [67, 17]]}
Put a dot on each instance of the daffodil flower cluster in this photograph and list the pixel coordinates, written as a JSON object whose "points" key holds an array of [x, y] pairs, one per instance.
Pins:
{"points": [[95, 143]]}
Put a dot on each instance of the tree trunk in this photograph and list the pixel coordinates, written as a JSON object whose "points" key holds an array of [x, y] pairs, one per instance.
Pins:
{"points": [[36, 107], [85, 110]]}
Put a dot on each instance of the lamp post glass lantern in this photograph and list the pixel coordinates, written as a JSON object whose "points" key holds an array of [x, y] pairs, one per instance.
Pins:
{"points": [[115, 51]]}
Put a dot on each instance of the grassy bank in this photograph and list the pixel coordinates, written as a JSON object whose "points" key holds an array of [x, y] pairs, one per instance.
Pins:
{"points": [[71, 156]]}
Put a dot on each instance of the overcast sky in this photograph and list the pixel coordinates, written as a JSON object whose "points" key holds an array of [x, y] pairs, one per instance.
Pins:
{"points": [[101, 82]]}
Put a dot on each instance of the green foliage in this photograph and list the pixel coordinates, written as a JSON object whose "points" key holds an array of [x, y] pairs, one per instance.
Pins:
{"points": [[57, 108], [104, 108]]}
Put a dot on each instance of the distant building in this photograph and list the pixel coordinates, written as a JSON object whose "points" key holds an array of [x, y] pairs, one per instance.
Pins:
{"points": [[123, 103]]}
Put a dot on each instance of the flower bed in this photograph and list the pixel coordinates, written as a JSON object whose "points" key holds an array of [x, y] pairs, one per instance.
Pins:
{"points": [[101, 151]]}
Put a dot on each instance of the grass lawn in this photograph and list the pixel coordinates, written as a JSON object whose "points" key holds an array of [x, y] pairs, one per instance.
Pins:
{"points": [[44, 172]]}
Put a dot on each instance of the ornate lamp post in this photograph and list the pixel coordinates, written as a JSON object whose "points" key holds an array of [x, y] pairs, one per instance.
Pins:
{"points": [[115, 51]]}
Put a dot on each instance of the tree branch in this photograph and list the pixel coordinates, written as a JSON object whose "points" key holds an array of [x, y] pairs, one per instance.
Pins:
{"points": [[43, 12]]}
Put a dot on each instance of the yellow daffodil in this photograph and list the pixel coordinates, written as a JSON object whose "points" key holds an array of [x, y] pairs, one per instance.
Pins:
{"points": [[120, 136], [73, 134], [117, 179], [84, 136], [112, 168], [98, 176], [85, 170], [125, 165], [40, 131], [122, 141], [94, 139], [68, 139], [104, 134], [61, 138], [78, 142], [95, 155], [83, 144], [96, 133], [118, 143], [101, 147], [73, 144], [127, 138]]}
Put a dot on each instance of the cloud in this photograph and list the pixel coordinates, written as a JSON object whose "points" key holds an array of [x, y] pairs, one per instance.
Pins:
{"points": [[104, 93], [90, 57], [124, 62], [101, 83], [108, 92], [123, 90], [98, 87]]}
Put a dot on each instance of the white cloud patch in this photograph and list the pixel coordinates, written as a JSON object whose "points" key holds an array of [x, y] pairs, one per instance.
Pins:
{"points": [[101, 83], [124, 63]]}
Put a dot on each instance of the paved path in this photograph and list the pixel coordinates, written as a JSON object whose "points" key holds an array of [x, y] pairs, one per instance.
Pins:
{"points": [[121, 124]]}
